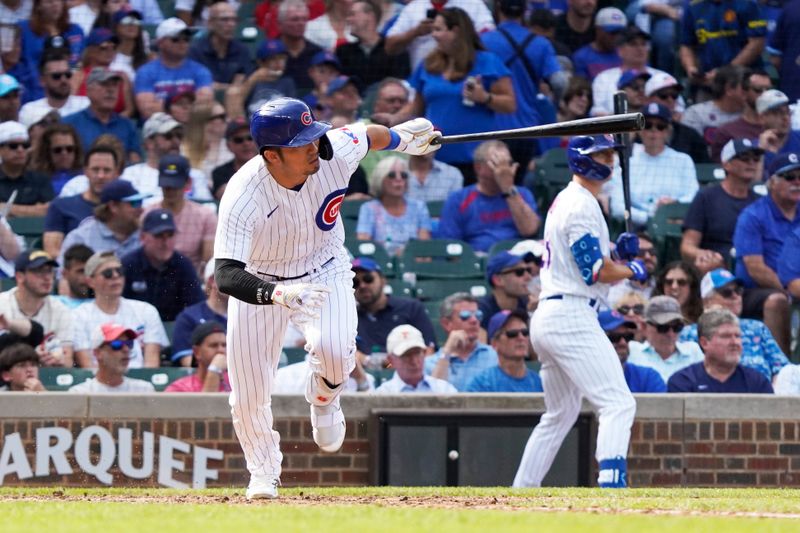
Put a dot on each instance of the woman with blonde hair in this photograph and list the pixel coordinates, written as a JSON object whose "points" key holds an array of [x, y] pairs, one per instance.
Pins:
{"points": [[392, 219], [204, 143]]}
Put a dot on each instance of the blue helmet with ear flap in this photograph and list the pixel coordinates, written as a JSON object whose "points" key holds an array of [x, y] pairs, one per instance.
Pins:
{"points": [[579, 158], [288, 122]]}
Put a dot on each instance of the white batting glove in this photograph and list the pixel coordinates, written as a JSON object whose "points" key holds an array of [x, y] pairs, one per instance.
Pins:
{"points": [[306, 298], [416, 136]]}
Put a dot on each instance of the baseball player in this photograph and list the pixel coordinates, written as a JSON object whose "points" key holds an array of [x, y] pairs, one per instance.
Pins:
{"points": [[577, 358], [279, 252]]}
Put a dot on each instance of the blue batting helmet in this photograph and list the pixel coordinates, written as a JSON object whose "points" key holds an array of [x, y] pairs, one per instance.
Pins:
{"points": [[579, 157], [288, 122]]}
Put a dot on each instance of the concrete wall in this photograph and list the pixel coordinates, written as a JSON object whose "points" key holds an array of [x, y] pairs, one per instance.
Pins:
{"points": [[692, 440]]}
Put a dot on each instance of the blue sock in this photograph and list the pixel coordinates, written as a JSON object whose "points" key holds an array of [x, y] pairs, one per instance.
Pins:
{"points": [[613, 473]]}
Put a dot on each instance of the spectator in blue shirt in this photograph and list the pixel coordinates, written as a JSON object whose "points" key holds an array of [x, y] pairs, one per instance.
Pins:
{"points": [[719, 288], [508, 275], [720, 370], [758, 240], [463, 356], [601, 53], [66, 212], [102, 88], [510, 338], [9, 98], [789, 263], [784, 47], [493, 209], [155, 273], [227, 58], [406, 351], [620, 332], [172, 71], [213, 309]]}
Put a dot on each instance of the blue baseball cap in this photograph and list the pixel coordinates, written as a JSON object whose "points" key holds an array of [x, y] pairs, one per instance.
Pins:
{"points": [[158, 221], [657, 110], [325, 57], [270, 48], [611, 320], [99, 36], [8, 83], [784, 163], [32, 259], [340, 82], [500, 319], [630, 75], [120, 191], [716, 279], [501, 261], [737, 147], [124, 13], [173, 171], [365, 263]]}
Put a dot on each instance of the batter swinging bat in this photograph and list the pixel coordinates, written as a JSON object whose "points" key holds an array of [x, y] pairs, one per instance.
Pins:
{"points": [[624, 151], [583, 126]]}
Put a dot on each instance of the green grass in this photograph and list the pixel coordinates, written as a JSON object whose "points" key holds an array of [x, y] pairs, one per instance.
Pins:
{"points": [[388, 510]]}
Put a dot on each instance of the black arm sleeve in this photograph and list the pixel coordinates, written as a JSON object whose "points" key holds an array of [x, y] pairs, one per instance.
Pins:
{"points": [[234, 280]]}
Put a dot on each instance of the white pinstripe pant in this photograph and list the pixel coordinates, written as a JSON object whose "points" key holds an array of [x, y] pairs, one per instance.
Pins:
{"points": [[255, 337], [578, 361]]}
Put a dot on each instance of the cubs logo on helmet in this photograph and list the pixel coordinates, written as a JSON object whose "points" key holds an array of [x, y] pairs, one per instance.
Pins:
{"points": [[329, 210], [306, 119]]}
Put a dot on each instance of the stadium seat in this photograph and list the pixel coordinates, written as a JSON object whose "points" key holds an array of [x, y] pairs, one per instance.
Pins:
{"points": [[709, 173], [432, 309], [7, 283], [31, 228], [501, 246], [551, 175], [169, 327], [374, 251], [160, 377], [61, 379], [435, 208], [349, 208], [381, 376], [294, 355], [399, 287], [665, 229], [439, 289], [441, 259]]}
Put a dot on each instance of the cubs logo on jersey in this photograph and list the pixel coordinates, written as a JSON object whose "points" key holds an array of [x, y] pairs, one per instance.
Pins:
{"points": [[329, 210], [349, 134]]}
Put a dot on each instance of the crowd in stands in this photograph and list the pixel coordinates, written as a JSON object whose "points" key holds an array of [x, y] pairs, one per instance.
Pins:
{"points": [[122, 122]]}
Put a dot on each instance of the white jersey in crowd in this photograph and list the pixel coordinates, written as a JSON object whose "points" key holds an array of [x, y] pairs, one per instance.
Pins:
{"points": [[283, 232], [91, 386], [33, 111], [54, 317], [573, 214], [141, 317]]}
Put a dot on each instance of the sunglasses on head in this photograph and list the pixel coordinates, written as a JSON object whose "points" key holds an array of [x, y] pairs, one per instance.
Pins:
{"points": [[667, 95], [365, 279], [514, 333], [240, 140], [638, 309], [730, 292], [466, 315], [660, 126], [790, 176], [519, 271], [680, 282], [395, 175], [616, 337], [56, 76], [70, 149], [676, 327], [109, 273], [117, 345], [17, 146]]}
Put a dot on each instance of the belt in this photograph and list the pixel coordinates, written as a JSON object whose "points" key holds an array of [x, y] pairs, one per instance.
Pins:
{"points": [[592, 302], [281, 278]]}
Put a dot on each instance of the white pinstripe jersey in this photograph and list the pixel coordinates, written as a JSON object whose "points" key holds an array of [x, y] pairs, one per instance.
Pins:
{"points": [[573, 214], [284, 232]]}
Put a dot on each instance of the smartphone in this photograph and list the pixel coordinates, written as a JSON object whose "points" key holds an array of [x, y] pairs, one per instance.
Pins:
{"points": [[431, 13]]}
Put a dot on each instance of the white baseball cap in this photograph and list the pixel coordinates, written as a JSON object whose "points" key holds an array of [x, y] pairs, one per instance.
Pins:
{"points": [[159, 123], [611, 19], [771, 99], [209, 270], [660, 80], [736, 147], [172, 27], [403, 338], [13, 131]]}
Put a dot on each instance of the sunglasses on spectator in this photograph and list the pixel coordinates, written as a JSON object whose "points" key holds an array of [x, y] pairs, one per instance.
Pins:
{"points": [[675, 327], [466, 315], [9, 95], [790, 176], [173, 135], [647, 251], [107, 47], [68, 148], [748, 158], [221, 117], [638, 309], [56, 76], [180, 39], [109, 273], [759, 90], [365, 279], [660, 126], [519, 271], [136, 204], [667, 95], [514, 333], [17, 146], [616, 337], [117, 345], [133, 21], [395, 175], [680, 282], [240, 140], [638, 87], [730, 292]]}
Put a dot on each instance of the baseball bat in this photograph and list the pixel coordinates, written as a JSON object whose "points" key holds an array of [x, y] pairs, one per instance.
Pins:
{"points": [[624, 141], [582, 126]]}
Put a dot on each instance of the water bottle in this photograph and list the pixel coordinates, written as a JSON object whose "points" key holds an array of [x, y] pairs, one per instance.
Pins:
{"points": [[470, 83]]}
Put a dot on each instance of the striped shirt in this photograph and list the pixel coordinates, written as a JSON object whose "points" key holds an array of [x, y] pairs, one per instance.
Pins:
{"points": [[440, 182]]}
